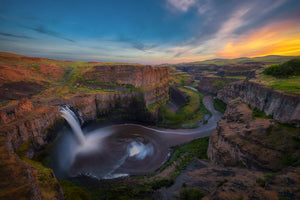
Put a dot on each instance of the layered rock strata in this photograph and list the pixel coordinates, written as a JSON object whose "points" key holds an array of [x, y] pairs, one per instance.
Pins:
{"points": [[136, 75], [211, 85], [28, 126], [257, 143], [283, 107], [177, 97]]}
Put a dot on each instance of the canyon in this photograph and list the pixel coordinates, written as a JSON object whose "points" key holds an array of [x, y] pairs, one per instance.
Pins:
{"points": [[28, 125], [258, 134]]}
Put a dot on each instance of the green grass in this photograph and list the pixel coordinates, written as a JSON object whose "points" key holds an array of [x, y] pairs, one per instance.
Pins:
{"points": [[222, 182], [179, 77], [291, 85], [286, 82], [113, 190], [191, 194], [285, 70], [220, 84], [36, 67], [157, 184], [256, 113], [190, 113], [219, 105], [153, 107], [267, 178], [183, 155], [73, 192], [236, 77]]}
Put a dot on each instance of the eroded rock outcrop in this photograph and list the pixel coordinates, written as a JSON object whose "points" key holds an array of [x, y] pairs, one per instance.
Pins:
{"points": [[258, 143], [283, 107], [178, 97], [211, 85], [136, 75]]}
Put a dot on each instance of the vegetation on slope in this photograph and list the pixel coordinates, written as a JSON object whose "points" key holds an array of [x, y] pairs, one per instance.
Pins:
{"points": [[180, 78], [219, 105], [285, 70], [184, 154], [40, 78], [190, 113], [283, 78]]}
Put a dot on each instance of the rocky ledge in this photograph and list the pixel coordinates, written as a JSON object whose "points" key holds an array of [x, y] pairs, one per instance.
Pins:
{"points": [[244, 140], [136, 75], [283, 107]]}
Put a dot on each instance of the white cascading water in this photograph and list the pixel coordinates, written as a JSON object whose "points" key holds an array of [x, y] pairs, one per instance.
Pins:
{"points": [[70, 116]]}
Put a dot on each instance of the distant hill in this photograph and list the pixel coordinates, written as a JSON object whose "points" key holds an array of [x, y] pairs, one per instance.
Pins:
{"points": [[265, 60]]}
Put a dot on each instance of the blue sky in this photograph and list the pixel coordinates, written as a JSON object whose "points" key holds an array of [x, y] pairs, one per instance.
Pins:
{"points": [[152, 32]]}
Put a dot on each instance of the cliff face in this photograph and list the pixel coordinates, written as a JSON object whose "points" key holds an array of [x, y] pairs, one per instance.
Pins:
{"points": [[27, 127], [136, 75], [25, 123], [177, 97], [255, 143], [211, 85], [284, 108]]}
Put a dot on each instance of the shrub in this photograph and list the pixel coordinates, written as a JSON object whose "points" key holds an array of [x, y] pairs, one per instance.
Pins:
{"points": [[220, 84], [219, 105], [222, 182], [162, 183], [285, 70], [191, 194]]}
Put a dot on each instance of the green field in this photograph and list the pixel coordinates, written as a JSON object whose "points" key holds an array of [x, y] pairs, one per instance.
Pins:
{"points": [[289, 85]]}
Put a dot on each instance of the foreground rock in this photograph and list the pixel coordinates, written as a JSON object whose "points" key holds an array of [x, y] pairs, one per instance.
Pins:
{"points": [[217, 182], [254, 143]]}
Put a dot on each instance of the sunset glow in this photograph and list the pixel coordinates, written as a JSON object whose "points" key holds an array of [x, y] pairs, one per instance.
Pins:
{"points": [[152, 32], [275, 39]]}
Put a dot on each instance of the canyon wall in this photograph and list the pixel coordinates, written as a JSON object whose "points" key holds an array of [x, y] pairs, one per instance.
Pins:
{"points": [[283, 107], [211, 85], [136, 75], [34, 123], [29, 120], [177, 97], [29, 126], [257, 143], [253, 138]]}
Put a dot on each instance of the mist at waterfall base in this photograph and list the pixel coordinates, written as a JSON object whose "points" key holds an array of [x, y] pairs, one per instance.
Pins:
{"points": [[104, 153]]}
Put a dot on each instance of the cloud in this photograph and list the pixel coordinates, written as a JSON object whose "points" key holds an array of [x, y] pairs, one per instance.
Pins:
{"points": [[43, 30], [228, 24], [143, 47], [181, 5], [274, 39], [204, 6], [15, 36], [136, 43]]}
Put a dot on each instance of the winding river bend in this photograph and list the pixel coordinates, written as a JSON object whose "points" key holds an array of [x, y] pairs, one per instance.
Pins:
{"points": [[123, 149]]}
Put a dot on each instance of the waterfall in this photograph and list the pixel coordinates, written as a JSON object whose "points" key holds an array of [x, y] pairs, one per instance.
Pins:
{"points": [[71, 118]]}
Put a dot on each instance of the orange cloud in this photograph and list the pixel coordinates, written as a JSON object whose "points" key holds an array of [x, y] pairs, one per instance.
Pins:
{"points": [[274, 39]]}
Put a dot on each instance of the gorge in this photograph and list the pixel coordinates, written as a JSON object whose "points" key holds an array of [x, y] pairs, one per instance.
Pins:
{"points": [[113, 147]]}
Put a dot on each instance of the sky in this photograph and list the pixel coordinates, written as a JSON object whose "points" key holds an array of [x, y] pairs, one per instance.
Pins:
{"points": [[149, 31]]}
